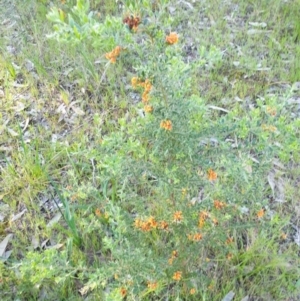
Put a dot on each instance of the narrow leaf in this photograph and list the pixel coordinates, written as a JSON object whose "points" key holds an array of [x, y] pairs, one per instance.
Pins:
{"points": [[4, 243]]}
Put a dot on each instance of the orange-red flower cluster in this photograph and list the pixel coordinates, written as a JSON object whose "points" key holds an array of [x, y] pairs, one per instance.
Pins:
{"points": [[112, 56], [147, 225], [148, 108], [219, 205], [173, 256], [163, 225], [152, 285], [166, 124], [229, 240], [177, 276], [177, 216], [172, 38], [271, 111], [136, 82], [195, 237], [132, 22], [269, 128], [260, 213], [203, 215], [212, 175], [123, 292], [147, 86]]}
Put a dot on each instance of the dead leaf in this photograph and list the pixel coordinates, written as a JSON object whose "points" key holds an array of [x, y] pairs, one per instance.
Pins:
{"points": [[17, 216], [277, 163], [35, 242], [78, 111], [4, 210], [6, 255], [54, 220], [229, 296], [253, 31], [271, 180], [254, 159], [4, 243], [219, 109], [57, 246], [189, 5], [26, 124], [62, 109], [248, 168], [12, 132], [43, 244], [19, 106], [258, 24], [281, 190], [297, 235]]}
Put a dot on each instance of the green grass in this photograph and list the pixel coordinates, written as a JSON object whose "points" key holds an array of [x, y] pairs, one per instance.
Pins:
{"points": [[137, 202]]}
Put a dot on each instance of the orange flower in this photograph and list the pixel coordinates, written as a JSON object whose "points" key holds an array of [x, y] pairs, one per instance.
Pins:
{"points": [[271, 111], [219, 205], [148, 109], [211, 287], [132, 22], [203, 215], [283, 236], [215, 221], [229, 240], [147, 225], [172, 38], [197, 237], [138, 223], [212, 175], [190, 236], [166, 124], [152, 285], [98, 212], [177, 276], [123, 292], [145, 97], [177, 216], [192, 291], [152, 222], [147, 86], [269, 128], [163, 225], [173, 256], [112, 56], [135, 82], [170, 260], [260, 213]]}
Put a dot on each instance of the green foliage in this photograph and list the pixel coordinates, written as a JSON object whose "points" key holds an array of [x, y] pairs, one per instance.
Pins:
{"points": [[80, 26]]}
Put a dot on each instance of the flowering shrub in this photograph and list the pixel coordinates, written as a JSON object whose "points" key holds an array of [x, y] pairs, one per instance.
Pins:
{"points": [[169, 193]]}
